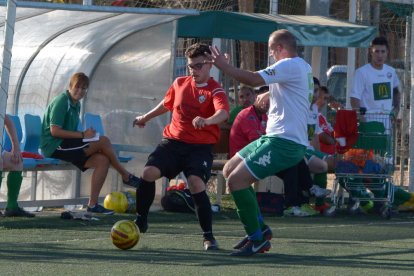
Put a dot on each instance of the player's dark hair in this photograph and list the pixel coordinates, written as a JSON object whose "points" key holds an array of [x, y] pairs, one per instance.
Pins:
{"points": [[380, 40], [196, 50]]}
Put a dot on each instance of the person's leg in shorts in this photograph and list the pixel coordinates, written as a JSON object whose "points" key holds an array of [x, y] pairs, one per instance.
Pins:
{"points": [[263, 157], [197, 162], [318, 165], [163, 161], [75, 152], [14, 182], [104, 147]]}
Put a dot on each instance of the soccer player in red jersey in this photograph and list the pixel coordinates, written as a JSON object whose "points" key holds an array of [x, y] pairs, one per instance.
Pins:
{"points": [[198, 104]]}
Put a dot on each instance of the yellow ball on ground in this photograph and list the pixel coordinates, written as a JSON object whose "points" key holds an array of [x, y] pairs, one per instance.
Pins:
{"points": [[116, 201], [125, 234]]}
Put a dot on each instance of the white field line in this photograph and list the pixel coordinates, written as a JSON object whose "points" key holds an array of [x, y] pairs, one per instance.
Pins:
{"points": [[236, 232]]}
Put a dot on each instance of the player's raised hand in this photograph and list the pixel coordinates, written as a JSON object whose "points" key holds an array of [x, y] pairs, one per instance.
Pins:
{"points": [[217, 58]]}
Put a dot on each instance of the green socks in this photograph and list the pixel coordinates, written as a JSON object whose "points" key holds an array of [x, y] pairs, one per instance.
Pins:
{"points": [[259, 214], [14, 181], [320, 179], [247, 208]]}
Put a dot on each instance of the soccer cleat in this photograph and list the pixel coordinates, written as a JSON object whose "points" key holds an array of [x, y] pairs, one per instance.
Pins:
{"points": [[18, 212], [210, 244], [294, 211], [142, 224], [100, 210], [317, 191], [354, 205], [133, 181], [308, 209], [303, 211], [252, 247], [367, 206], [266, 232]]}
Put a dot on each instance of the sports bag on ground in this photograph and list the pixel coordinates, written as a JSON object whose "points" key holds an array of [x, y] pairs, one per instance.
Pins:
{"points": [[178, 201], [271, 203]]}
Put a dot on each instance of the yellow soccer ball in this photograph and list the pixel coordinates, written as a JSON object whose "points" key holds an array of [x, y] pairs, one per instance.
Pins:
{"points": [[116, 201], [125, 234]]}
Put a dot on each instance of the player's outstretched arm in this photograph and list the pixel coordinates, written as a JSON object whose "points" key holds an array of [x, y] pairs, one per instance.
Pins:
{"points": [[140, 121], [244, 76]]}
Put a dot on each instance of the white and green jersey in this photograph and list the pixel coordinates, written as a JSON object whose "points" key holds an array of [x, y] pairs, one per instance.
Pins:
{"points": [[374, 88], [290, 83], [313, 123]]}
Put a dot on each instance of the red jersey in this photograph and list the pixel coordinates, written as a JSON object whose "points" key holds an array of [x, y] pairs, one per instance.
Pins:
{"points": [[186, 100], [246, 128]]}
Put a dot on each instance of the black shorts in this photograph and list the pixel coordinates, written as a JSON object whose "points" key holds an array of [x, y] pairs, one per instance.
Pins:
{"points": [[172, 157], [72, 150]]}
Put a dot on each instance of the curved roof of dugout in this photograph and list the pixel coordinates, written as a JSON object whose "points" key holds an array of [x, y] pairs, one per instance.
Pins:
{"points": [[49, 45], [309, 30]]}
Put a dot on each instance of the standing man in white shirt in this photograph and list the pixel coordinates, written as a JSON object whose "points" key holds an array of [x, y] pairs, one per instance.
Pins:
{"points": [[376, 83]]}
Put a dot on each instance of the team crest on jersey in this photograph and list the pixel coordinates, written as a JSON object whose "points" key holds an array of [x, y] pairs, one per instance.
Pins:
{"points": [[201, 98], [270, 72], [389, 75]]}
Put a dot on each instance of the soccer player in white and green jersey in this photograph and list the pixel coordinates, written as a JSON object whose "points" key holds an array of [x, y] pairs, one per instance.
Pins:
{"points": [[290, 83]]}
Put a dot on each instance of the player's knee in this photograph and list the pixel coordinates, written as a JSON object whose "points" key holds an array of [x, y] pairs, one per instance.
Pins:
{"points": [[102, 160], [226, 171], [318, 166], [228, 168], [151, 173], [105, 140]]}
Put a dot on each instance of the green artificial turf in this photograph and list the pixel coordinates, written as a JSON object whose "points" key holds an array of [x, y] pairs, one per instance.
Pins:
{"points": [[340, 245]]}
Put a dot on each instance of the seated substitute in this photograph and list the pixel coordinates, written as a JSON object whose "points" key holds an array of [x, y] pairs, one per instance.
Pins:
{"points": [[60, 139]]}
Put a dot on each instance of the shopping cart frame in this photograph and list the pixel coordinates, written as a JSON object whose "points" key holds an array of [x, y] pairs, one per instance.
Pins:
{"points": [[375, 131]]}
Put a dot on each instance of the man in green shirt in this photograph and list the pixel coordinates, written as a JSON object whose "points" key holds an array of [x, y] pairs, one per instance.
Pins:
{"points": [[245, 99], [60, 139]]}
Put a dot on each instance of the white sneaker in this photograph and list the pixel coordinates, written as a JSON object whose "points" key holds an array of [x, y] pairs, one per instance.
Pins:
{"points": [[295, 211], [318, 191]]}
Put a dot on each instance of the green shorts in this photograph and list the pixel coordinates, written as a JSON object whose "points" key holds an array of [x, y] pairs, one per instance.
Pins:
{"points": [[309, 153], [269, 155]]}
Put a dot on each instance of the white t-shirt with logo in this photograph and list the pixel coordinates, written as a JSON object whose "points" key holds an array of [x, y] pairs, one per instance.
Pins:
{"points": [[313, 124], [290, 83], [374, 88]]}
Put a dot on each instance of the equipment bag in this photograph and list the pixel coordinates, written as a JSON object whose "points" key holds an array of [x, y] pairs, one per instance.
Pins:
{"points": [[178, 201], [271, 203]]}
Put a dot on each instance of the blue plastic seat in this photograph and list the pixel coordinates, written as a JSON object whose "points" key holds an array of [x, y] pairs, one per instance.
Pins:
{"points": [[33, 131], [95, 121], [33, 127]]}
